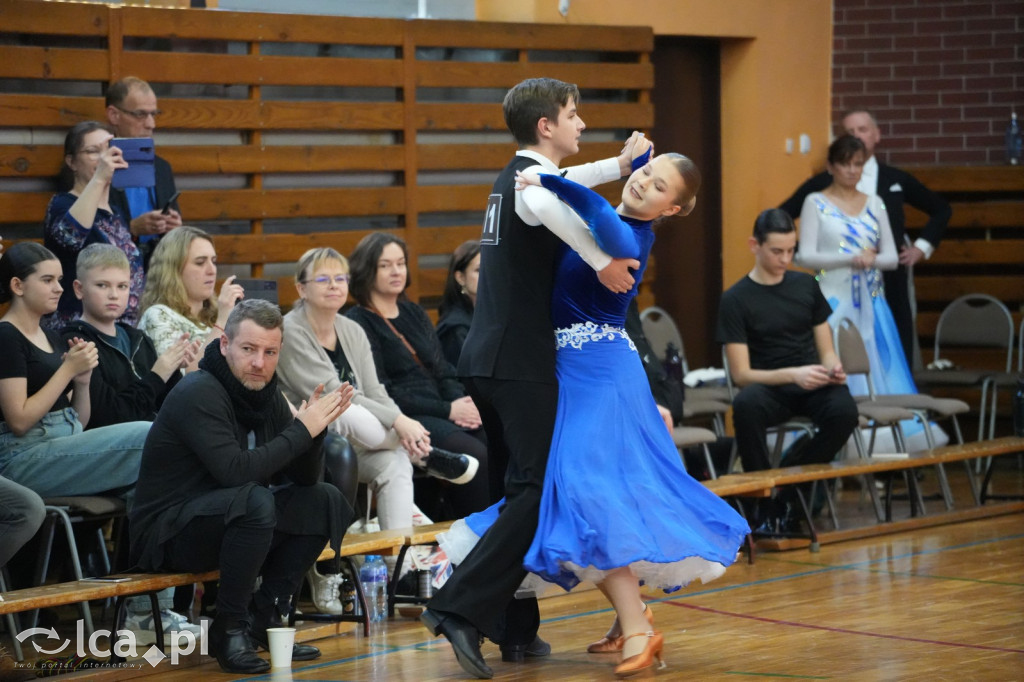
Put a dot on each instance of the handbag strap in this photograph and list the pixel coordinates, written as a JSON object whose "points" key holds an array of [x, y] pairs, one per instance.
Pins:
{"points": [[405, 341]]}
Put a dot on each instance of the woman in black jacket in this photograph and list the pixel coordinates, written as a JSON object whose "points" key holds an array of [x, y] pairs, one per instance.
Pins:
{"points": [[411, 365]]}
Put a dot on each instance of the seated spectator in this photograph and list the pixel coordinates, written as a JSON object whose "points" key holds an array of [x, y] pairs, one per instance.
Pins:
{"points": [[412, 367], [179, 296], [459, 299], [774, 325], [230, 481], [81, 214], [132, 380], [322, 346], [129, 385], [44, 393], [21, 514]]}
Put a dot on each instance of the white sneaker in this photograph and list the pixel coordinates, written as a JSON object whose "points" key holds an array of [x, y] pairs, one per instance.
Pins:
{"points": [[326, 591], [173, 623]]}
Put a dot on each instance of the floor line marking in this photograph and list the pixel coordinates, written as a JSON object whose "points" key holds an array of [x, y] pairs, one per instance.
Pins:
{"points": [[671, 599], [845, 631]]}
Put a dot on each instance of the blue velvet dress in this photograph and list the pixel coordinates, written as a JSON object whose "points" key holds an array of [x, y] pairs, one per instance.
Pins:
{"points": [[615, 490]]}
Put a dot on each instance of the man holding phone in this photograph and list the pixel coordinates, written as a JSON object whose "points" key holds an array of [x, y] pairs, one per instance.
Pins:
{"points": [[132, 112]]}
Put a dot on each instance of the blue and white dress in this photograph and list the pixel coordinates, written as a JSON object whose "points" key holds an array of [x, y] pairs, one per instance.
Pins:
{"points": [[615, 491], [829, 240]]}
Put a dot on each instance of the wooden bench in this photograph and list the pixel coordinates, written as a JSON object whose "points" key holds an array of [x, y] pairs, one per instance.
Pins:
{"points": [[870, 467], [121, 586]]}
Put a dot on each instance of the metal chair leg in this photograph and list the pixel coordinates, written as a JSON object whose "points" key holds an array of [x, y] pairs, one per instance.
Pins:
{"points": [[11, 621], [709, 461]]}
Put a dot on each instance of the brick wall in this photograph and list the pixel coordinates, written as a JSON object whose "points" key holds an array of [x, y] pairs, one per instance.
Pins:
{"points": [[940, 75]]}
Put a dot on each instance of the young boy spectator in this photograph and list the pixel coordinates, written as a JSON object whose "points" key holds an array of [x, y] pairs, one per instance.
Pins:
{"points": [[131, 380]]}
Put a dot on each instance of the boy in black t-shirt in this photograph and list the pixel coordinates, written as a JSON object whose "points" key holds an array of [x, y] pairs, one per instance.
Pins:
{"points": [[774, 326]]}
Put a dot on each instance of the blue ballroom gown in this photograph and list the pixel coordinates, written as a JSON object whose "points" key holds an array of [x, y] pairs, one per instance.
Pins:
{"points": [[616, 492]]}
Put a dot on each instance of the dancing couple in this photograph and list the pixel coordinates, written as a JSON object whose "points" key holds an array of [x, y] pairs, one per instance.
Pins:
{"points": [[595, 489]]}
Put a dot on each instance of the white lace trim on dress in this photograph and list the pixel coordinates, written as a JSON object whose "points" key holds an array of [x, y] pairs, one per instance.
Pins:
{"points": [[581, 332]]}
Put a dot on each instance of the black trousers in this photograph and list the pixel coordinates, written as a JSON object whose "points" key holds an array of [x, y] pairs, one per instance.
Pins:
{"points": [[251, 545], [758, 406], [897, 295], [519, 418]]}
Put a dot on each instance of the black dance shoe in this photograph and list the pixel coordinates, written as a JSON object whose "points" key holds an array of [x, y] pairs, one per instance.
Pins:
{"points": [[517, 653], [464, 638], [230, 644], [450, 466]]}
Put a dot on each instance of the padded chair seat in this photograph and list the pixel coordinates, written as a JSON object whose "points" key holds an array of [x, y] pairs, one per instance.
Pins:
{"points": [[943, 407], [951, 377], [883, 414], [688, 436], [1006, 379], [719, 393], [694, 408], [92, 505]]}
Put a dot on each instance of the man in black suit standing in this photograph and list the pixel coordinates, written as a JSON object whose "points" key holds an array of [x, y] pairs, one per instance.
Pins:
{"points": [[132, 112], [508, 363], [895, 187]]}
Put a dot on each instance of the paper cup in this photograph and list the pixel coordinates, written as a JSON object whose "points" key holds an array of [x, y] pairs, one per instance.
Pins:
{"points": [[281, 641]]}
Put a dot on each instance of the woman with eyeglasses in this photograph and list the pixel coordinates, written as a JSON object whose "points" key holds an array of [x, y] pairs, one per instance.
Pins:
{"points": [[81, 214], [321, 346], [409, 361]]}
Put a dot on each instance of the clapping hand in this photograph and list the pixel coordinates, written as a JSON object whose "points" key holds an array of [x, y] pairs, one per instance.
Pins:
{"points": [[323, 408], [82, 357]]}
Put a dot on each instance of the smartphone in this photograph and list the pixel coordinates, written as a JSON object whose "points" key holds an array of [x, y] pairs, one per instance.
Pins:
{"points": [[106, 579], [170, 202], [259, 288], [139, 153]]}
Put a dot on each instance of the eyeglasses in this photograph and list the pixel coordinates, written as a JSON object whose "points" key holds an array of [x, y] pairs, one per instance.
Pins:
{"points": [[140, 114], [324, 280]]}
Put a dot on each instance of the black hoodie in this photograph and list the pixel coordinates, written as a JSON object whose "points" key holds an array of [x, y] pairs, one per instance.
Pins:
{"points": [[123, 388]]}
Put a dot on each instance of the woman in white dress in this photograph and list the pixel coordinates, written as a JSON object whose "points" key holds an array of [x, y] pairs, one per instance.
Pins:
{"points": [[845, 236]]}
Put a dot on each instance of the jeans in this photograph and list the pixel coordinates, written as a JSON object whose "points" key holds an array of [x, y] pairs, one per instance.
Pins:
{"points": [[21, 514], [56, 458]]}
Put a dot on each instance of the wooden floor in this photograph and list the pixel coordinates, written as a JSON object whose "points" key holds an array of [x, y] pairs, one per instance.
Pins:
{"points": [[943, 603]]}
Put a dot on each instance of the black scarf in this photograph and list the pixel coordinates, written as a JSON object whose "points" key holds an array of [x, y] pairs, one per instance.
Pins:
{"points": [[252, 408]]}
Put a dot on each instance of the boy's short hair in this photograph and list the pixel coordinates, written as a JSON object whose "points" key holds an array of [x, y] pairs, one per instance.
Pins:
{"points": [[772, 220], [532, 100], [97, 256]]}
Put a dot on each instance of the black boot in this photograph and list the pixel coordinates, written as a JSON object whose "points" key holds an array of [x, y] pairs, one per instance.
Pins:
{"points": [[263, 618], [230, 645]]}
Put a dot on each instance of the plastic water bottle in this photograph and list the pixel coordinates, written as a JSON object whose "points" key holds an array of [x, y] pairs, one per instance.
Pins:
{"points": [[1018, 408], [373, 577], [1013, 141], [382, 589]]}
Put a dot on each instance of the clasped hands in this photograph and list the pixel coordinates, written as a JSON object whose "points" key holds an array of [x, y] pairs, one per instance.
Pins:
{"points": [[810, 377]]}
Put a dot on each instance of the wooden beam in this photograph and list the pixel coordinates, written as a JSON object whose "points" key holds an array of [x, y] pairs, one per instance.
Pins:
{"points": [[970, 178], [72, 19], [981, 214], [259, 26], [506, 74]]}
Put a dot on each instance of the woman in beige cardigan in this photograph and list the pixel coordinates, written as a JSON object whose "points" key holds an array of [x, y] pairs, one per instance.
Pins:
{"points": [[321, 346]]}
